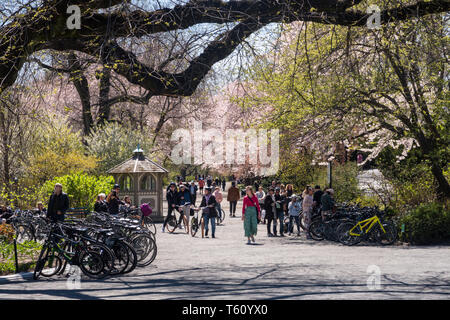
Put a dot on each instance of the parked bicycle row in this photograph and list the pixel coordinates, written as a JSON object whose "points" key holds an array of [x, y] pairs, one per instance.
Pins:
{"points": [[316, 213], [99, 245]]}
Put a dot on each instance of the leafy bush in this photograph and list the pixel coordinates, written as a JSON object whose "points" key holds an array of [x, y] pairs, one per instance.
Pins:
{"points": [[6, 233], [427, 224], [59, 150], [27, 253], [81, 188]]}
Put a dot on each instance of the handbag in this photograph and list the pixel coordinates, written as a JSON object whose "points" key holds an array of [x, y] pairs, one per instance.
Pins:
{"points": [[146, 210]]}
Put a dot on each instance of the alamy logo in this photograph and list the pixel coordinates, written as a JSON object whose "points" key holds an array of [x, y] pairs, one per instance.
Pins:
{"points": [[74, 280], [374, 20], [374, 279], [234, 146], [74, 20]]}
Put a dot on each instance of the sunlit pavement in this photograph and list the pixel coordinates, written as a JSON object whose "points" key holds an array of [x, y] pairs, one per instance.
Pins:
{"points": [[274, 268]]}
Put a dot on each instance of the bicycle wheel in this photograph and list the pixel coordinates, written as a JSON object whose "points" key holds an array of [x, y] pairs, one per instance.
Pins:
{"points": [[52, 265], [122, 256], [388, 237], [172, 224], [107, 255], [91, 264], [316, 230], [47, 264], [194, 226], [220, 216], [149, 225], [145, 248], [345, 237], [132, 256], [302, 221]]}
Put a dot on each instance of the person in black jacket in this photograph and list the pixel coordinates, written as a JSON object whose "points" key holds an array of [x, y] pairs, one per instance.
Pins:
{"points": [[113, 202], [58, 204], [279, 212], [193, 191], [269, 206], [209, 201], [172, 201], [101, 205]]}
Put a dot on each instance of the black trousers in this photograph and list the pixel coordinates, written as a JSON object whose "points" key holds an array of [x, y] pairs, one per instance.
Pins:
{"points": [[233, 207], [169, 214]]}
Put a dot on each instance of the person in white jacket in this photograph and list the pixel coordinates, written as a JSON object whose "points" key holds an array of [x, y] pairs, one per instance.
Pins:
{"points": [[295, 208]]}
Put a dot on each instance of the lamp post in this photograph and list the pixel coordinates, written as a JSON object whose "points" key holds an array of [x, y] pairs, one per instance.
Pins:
{"points": [[330, 171], [16, 188]]}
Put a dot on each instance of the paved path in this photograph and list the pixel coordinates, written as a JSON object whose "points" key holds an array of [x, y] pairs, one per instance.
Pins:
{"points": [[275, 268]]}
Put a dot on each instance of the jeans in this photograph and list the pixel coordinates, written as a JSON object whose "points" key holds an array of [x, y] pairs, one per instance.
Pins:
{"points": [[297, 222], [280, 217], [213, 223], [233, 207]]}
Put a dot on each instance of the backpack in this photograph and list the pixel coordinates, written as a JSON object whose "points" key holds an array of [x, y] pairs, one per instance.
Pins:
{"points": [[146, 210]]}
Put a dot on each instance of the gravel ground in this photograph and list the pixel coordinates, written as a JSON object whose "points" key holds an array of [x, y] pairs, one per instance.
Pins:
{"points": [[274, 268]]}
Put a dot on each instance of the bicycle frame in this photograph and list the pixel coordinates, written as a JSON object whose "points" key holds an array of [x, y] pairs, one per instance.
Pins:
{"points": [[366, 224]]}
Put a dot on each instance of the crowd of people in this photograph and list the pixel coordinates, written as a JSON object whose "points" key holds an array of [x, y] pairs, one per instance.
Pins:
{"points": [[184, 195], [258, 206]]}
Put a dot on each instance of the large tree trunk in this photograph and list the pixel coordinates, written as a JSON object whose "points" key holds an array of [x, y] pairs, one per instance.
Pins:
{"points": [[105, 86], [6, 176], [443, 189]]}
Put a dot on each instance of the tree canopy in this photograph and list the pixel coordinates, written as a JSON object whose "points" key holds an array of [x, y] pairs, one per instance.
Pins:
{"points": [[108, 25]]}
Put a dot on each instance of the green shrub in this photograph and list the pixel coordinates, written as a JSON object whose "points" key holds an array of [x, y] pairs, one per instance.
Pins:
{"points": [[27, 253], [81, 188], [427, 224]]}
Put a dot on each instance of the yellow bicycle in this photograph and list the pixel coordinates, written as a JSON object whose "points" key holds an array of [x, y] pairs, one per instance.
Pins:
{"points": [[372, 229]]}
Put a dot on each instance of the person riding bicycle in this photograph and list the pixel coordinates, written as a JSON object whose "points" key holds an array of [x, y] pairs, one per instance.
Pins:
{"points": [[172, 202], [184, 201], [210, 213]]}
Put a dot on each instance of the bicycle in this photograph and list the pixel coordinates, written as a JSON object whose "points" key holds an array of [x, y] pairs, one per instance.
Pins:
{"points": [[173, 223], [372, 229], [197, 223], [51, 257], [220, 215]]}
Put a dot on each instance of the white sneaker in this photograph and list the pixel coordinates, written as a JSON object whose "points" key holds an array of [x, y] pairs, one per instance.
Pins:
{"points": [[163, 230]]}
